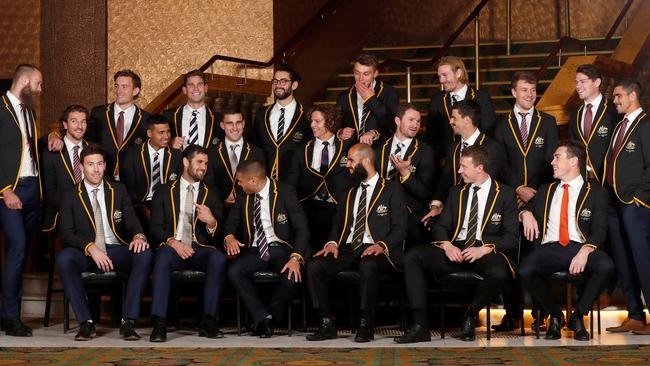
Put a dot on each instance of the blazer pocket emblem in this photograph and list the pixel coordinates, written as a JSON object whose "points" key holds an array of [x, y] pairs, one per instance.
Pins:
{"points": [[412, 168], [215, 141], [117, 216], [630, 147], [585, 214], [173, 176], [297, 137], [602, 131], [344, 161], [282, 218], [382, 210], [539, 141], [137, 141], [495, 219]]}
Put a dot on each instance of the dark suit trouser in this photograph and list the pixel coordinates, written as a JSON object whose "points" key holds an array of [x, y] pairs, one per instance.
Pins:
{"points": [[428, 259], [320, 215], [417, 232], [322, 270], [18, 227], [240, 274], [553, 257], [72, 261], [629, 235], [205, 259]]}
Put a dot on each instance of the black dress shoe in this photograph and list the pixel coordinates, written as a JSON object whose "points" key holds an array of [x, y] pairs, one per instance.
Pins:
{"points": [[15, 327], [326, 330], [468, 329], [577, 325], [265, 328], [209, 328], [554, 329], [252, 329], [159, 332], [507, 324], [542, 325], [86, 331], [365, 333], [127, 331], [415, 333]]}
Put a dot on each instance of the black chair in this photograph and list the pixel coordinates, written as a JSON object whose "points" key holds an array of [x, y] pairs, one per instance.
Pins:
{"points": [[180, 279], [50, 279]]}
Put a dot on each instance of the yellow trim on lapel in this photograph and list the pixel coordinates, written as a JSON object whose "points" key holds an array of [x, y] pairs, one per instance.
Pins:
{"points": [[531, 138], [207, 141], [65, 164], [196, 218], [628, 133], [460, 210], [580, 209], [354, 110], [109, 186], [171, 197], [81, 198], [22, 142], [546, 208], [345, 220], [248, 222], [497, 188], [176, 120], [146, 173], [169, 163]]}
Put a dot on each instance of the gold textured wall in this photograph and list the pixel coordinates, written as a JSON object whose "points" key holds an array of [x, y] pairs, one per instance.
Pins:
{"points": [[161, 39], [20, 27]]}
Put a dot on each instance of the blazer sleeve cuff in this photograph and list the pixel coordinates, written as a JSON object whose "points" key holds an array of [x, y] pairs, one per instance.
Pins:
{"points": [[385, 246], [5, 188], [641, 203], [594, 247], [86, 247], [166, 242], [140, 236], [298, 256], [493, 247], [213, 230], [439, 243], [331, 242], [404, 179]]}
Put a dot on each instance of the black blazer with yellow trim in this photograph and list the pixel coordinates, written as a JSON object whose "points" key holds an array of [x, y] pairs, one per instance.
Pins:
{"points": [[58, 177], [279, 155], [632, 163], [165, 213], [383, 106], [386, 219], [101, 130], [597, 143], [418, 185], [591, 211], [77, 222], [500, 227], [212, 134], [439, 133], [12, 145], [528, 167], [220, 172], [135, 170], [289, 220], [308, 181]]}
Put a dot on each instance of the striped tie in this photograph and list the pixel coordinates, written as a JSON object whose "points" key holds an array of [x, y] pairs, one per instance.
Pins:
{"points": [[76, 164], [155, 174], [280, 126], [470, 240], [194, 129], [260, 237], [360, 221], [99, 223], [390, 171], [364, 116], [523, 129], [233, 157], [188, 213]]}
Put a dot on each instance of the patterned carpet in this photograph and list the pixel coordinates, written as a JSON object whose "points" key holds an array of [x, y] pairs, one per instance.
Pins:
{"points": [[601, 355]]}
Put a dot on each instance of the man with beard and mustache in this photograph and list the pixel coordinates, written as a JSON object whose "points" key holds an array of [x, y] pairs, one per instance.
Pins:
{"points": [[282, 126], [20, 188], [368, 234], [184, 218]]}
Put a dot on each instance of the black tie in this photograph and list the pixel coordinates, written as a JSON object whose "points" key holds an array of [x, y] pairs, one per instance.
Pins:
{"points": [[472, 226]]}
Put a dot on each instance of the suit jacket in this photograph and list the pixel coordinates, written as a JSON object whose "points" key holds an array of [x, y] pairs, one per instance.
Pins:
{"points": [[58, 177], [386, 219], [101, 130], [597, 143], [528, 167], [220, 172], [165, 209], [288, 219], [308, 181], [279, 155], [418, 185], [383, 106], [77, 222], [135, 170], [439, 133], [591, 211], [632, 163], [212, 133], [12, 145]]}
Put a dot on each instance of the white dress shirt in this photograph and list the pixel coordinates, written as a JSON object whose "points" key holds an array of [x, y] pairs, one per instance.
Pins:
{"points": [[553, 222], [109, 235], [161, 155], [482, 195], [630, 118], [393, 148], [472, 139], [460, 94], [318, 151], [274, 117], [129, 113], [181, 204], [360, 101], [27, 165], [265, 213], [200, 121], [372, 182], [69, 145], [529, 118], [238, 150]]}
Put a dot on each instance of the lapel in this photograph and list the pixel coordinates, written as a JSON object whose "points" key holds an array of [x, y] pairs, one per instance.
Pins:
{"points": [[463, 197], [201, 197], [535, 122], [597, 118], [146, 162], [550, 192], [178, 120], [309, 152], [582, 197], [67, 162], [166, 163], [628, 133], [273, 197], [84, 198], [297, 114], [385, 156], [225, 159], [175, 197], [209, 125], [109, 201], [492, 197], [110, 120], [379, 188], [352, 101]]}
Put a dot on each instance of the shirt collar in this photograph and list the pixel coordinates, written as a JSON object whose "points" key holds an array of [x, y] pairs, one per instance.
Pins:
{"points": [[575, 184], [189, 109], [185, 183], [289, 107], [14, 100], [372, 182], [70, 145], [151, 148], [461, 93], [595, 103], [485, 187], [517, 111], [265, 190], [90, 188], [330, 141], [131, 109], [239, 142], [632, 116], [472, 139]]}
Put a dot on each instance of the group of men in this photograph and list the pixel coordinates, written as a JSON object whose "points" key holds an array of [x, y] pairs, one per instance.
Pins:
{"points": [[311, 193]]}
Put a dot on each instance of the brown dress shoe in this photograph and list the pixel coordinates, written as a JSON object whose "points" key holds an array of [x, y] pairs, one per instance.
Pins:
{"points": [[628, 325], [644, 331]]}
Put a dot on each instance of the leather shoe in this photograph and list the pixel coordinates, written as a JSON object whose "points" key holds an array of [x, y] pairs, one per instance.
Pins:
{"points": [[644, 331], [86, 331], [365, 333], [468, 329], [507, 324], [542, 325], [415, 333], [326, 330], [264, 328], [554, 329], [15, 327], [127, 331], [628, 324], [577, 325], [209, 328], [159, 332]]}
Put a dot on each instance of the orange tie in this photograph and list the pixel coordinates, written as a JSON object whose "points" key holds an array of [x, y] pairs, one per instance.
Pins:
{"points": [[564, 217]]}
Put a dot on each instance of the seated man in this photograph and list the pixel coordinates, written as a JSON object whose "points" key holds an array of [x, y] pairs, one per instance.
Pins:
{"points": [[476, 231], [266, 230], [573, 217], [368, 233], [96, 219], [184, 218]]}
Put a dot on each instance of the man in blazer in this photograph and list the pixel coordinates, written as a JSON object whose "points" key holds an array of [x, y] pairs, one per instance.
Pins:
{"points": [[100, 232], [572, 216], [369, 106], [117, 126], [477, 231], [282, 126], [319, 173], [193, 122], [265, 230], [627, 173], [368, 234], [184, 218], [407, 160]]}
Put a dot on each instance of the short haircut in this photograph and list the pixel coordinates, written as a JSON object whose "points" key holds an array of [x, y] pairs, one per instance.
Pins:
{"points": [[365, 151], [252, 168], [293, 74], [73, 108], [367, 59], [23, 69], [191, 73], [192, 150], [479, 154], [526, 76], [630, 85], [455, 63], [590, 70], [137, 82], [469, 108], [402, 108], [92, 149], [229, 109], [574, 149], [156, 119], [331, 113]]}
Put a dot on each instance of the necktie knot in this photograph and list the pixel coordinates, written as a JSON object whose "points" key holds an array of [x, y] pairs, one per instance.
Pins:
{"points": [[258, 196], [588, 106], [523, 115], [194, 113], [234, 147], [364, 186], [121, 113], [476, 188], [75, 148], [95, 191], [190, 189], [326, 144], [454, 99], [464, 145]]}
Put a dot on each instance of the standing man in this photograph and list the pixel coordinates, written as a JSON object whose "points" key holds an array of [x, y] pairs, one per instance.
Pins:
{"points": [[369, 106], [627, 174]]}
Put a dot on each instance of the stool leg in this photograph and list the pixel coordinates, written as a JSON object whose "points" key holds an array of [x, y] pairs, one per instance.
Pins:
{"points": [[488, 322], [442, 315], [304, 309], [598, 308], [289, 316], [50, 282], [238, 316], [591, 321], [66, 314], [539, 314]]}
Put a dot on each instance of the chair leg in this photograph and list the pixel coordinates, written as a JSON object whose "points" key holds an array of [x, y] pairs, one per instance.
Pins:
{"points": [[66, 314], [289, 319], [598, 308], [238, 315], [487, 322], [539, 315], [304, 309], [50, 282], [591, 321], [521, 323], [442, 315]]}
